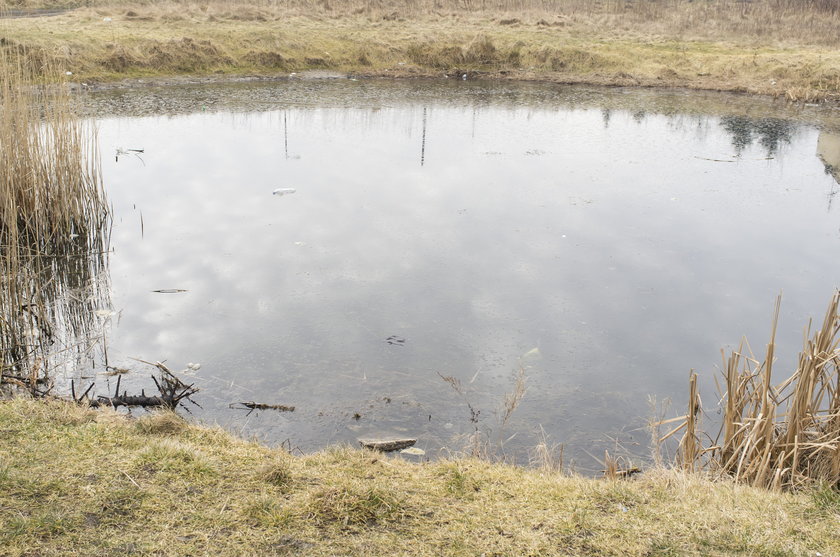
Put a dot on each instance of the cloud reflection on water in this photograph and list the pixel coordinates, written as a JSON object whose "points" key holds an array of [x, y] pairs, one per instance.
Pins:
{"points": [[621, 251]]}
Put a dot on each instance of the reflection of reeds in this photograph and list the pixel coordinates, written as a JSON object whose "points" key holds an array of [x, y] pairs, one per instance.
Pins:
{"points": [[53, 221], [775, 436]]}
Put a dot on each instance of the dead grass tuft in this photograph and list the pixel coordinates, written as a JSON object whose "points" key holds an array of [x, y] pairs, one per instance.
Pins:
{"points": [[355, 506], [277, 473], [268, 59], [172, 457], [164, 422], [267, 511], [458, 481], [120, 503]]}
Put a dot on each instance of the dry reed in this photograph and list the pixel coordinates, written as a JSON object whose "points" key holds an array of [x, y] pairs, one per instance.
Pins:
{"points": [[782, 436], [53, 220]]}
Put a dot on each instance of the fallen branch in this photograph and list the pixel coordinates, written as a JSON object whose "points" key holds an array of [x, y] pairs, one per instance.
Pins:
{"points": [[171, 391], [135, 400], [260, 406]]}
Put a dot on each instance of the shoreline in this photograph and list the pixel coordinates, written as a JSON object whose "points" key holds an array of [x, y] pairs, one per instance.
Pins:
{"points": [[70, 476], [521, 77], [163, 42]]}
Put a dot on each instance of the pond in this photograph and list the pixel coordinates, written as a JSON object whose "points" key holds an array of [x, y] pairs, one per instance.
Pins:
{"points": [[429, 235]]}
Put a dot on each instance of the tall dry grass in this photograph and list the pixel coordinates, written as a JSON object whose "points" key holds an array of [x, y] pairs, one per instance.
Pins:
{"points": [[650, 7], [774, 435], [53, 221], [807, 20], [768, 20]]}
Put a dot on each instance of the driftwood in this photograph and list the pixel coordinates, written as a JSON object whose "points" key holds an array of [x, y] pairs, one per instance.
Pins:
{"points": [[387, 445], [260, 406], [171, 391], [17, 379], [624, 473], [136, 400]]}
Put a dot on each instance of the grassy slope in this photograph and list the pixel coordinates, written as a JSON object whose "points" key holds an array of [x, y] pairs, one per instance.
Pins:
{"points": [[75, 481], [174, 38]]}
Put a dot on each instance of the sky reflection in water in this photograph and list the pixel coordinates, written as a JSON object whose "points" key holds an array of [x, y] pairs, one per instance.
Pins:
{"points": [[628, 245]]}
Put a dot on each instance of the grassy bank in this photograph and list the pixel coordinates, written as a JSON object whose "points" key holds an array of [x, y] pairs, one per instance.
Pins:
{"points": [[77, 481], [784, 48]]}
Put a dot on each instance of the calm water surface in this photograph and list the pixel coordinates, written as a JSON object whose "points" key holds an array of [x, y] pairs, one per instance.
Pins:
{"points": [[605, 241]]}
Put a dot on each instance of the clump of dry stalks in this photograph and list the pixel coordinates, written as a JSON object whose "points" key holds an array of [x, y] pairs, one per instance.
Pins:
{"points": [[53, 220], [782, 436]]}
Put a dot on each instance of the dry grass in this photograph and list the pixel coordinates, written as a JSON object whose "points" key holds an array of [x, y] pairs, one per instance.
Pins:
{"points": [[776, 436], [52, 220], [776, 47], [70, 478], [547, 457]]}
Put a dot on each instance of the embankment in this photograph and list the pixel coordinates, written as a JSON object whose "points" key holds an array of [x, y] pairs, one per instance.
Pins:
{"points": [[757, 47], [75, 481]]}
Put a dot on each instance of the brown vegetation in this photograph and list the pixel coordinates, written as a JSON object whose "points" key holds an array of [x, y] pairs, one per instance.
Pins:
{"points": [[52, 221], [776, 47], [778, 436]]}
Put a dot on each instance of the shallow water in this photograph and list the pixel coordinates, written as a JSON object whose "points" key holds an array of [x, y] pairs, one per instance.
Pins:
{"points": [[605, 241]]}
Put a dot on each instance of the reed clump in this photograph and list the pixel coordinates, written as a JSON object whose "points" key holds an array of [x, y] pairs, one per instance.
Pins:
{"points": [[53, 220], [778, 436]]}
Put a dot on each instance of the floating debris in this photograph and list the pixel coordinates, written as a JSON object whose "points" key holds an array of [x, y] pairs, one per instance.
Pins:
{"points": [[283, 191], [260, 406], [395, 340], [715, 160], [111, 370], [623, 473], [170, 388], [170, 291], [122, 152], [387, 445], [532, 353]]}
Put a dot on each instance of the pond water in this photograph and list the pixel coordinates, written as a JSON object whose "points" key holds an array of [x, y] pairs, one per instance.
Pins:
{"points": [[603, 241]]}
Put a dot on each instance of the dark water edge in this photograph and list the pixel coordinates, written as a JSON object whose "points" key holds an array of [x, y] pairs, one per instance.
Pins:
{"points": [[337, 92]]}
